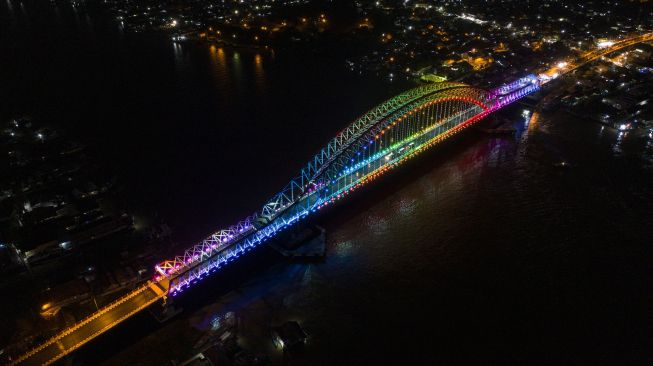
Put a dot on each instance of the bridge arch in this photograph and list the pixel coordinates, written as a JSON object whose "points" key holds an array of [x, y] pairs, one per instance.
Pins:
{"points": [[396, 126], [406, 121]]}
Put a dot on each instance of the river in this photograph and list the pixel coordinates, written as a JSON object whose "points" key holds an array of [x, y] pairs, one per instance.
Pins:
{"points": [[480, 251]]}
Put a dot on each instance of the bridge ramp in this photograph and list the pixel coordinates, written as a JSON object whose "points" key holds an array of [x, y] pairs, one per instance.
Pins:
{"points": [[96, 324]]}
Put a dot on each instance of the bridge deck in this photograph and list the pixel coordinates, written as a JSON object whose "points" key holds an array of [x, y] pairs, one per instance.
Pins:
{"points": [[96, 324]]}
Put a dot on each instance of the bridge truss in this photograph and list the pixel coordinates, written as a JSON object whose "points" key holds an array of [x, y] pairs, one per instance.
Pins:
{"points": [[383, 138]]}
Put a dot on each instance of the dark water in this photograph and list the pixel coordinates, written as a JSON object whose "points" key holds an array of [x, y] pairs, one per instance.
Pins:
{"points": [[480, 252], [203, 135]]}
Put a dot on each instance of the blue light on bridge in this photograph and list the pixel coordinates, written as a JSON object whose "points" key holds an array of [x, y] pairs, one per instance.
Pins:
{"points": [[359, 173]]}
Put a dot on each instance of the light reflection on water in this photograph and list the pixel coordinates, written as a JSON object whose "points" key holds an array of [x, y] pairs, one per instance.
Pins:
{"points": [[485, 203], [234, 69], [616, 147], [259, 74]]}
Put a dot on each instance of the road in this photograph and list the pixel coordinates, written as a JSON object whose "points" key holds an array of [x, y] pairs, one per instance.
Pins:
{"points": [[565, 67], [98, 323]]}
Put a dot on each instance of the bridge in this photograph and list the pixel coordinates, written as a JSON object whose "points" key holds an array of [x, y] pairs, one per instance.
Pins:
{"points": [[609, 47], [380, 140]]}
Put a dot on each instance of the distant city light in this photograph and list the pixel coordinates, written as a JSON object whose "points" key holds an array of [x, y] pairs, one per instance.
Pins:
{"points": [[603, 44], [473, 19]]}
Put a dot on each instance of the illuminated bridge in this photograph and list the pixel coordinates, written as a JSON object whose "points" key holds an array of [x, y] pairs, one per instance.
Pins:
{"points": [[375, 143]]}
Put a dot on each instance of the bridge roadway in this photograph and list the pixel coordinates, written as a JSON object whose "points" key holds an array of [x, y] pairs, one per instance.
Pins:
{"points": [[97, 323], [111, 315], [595, 54]]}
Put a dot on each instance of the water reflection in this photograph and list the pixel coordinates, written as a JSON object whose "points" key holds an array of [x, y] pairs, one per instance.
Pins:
{"points": [[647, 150], [238, 69], [258, 61], [343, 248], [407, 206], [179, 55], [259, 74], [617, 146], [237, 72], [220, 70], [88, 22], [10, 7], [221, 57], [121, 28]]}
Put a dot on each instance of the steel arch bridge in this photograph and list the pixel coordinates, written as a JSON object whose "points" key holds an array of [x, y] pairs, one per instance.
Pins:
{"points": [[382, 138]]}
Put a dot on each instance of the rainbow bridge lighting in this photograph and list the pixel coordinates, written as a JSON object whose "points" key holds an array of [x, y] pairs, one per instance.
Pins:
{"points": [[380, 140]]}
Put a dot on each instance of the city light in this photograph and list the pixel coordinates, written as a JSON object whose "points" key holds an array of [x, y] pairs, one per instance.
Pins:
{"points": [[604, 44]]}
